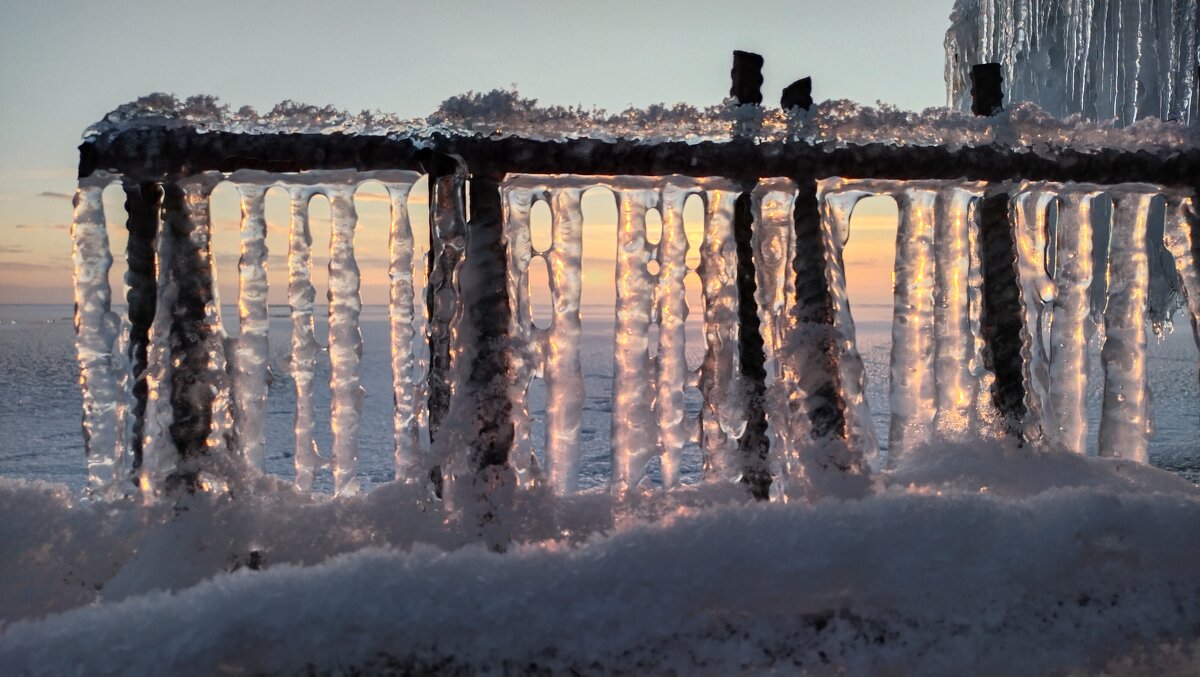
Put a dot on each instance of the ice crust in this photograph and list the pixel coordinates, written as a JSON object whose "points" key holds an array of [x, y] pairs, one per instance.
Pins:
{"points": [[504, 113], [1103, 59], [983, 556]]}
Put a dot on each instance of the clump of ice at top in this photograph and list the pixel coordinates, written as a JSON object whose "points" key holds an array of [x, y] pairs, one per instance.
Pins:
{"points": [[505, 113]]}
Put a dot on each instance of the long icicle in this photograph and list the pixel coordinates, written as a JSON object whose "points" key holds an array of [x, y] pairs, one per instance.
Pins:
{"points": [[301, 297], [633, 434], [912, 382], [518, 205], [563, 368], [1037, 290], [253, 350], [401, 311], [956, 388], [723, 416], [345, 340], [1066, 413], [836, 207], [774, 251], [1182, 236], [1124, 415], [96, 333], [672, 312]]}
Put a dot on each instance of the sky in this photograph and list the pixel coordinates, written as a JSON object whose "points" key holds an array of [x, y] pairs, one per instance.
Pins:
{"points": [[63, 65]]}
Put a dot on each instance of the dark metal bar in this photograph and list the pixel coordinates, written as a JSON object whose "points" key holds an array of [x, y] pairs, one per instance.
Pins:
{"points": [[155, 153], [797, 95], [1001, 323], [142, 203], [754, 444], [747, 77], [987, 89]]}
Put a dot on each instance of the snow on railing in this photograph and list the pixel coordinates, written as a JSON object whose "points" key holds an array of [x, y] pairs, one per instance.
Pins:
{"points": [[981, 282]]}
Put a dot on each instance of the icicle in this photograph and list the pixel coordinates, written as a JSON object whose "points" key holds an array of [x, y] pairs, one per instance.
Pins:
{"points": [[913, 394], [563, 369], [158, 449], [774, 250], [1183, 241], [836, 207], [723, 417], [633, 435], [1066, 414], [301, 296], [672, 373], [253, 350], [345, 340], [1037, 289], [524, 362], [96, 334], [956, 340], [401, 315], [1124, 418]]}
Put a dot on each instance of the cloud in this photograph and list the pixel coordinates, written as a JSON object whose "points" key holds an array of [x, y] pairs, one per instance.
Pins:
{"points": [[10, 266], [55, 195], [42, 226], [13, 249]]}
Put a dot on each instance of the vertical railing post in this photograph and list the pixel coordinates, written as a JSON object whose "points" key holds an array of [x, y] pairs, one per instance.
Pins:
{"points": [[1001, 321], [195, 340], [142, 203]]}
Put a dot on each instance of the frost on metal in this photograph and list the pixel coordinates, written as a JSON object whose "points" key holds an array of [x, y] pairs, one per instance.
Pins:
{"points": [[504, 113]]}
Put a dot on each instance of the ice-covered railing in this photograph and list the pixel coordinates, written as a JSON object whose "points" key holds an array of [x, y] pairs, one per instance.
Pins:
{"points": [[995, 300]]}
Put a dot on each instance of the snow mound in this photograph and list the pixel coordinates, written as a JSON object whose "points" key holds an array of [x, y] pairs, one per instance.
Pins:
{"points": [[505, 113], [978, 556]]}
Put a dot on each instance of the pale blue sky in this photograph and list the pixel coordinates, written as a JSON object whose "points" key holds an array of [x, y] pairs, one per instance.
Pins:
{"points": [[64, 64]]}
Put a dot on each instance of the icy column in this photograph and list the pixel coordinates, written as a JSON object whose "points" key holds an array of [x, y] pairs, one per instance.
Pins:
{"points": [[189, 389], [1183, 241], [448, 241], [301, 296], [1124, 420], [96, 333], [723, 418], [836, 207], [345, 340], [913, 391], [633, 434], [774, 250], [253, 351], [563, 369], [957, 344], [401, 315], [1066, 414], [1037, 290], [672, 372]]}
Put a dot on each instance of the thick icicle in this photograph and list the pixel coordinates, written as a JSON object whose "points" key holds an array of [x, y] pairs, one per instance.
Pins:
{"points": [[301, 296], [670, 296], [1066, 407], [1037, 290], [1125, 415], [836, 207], [345, 339], [142, 206], [723, 417], [634, 438], [774, 250], [563, 368], [913, 394], [1183, 241], [158, 449], [956, 330], [96, 335], [253, 351], [401, 316]]}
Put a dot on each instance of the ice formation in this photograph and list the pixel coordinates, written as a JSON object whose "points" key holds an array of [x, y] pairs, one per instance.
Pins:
{"points": [[1103, 59]]}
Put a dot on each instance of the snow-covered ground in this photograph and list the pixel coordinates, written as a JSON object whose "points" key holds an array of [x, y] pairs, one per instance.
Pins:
{"points": [[980, 558]]}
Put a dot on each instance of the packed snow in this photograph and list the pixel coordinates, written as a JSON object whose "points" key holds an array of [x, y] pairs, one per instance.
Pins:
{"points": [[979, 557]]}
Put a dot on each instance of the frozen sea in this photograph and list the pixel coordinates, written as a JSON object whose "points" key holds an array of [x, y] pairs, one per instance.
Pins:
{"points": [[40, 434]]}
